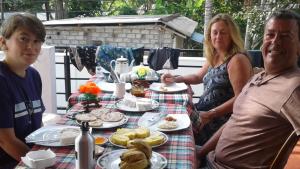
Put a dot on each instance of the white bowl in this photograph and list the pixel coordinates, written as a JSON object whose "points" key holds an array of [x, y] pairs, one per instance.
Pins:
{"points": [[39, 159]]}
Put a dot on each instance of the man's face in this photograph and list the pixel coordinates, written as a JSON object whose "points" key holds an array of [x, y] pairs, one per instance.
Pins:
{"points": [[281, 45]]}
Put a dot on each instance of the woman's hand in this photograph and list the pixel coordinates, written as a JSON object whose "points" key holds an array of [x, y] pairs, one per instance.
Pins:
{"points": [[167, 78], [205, 118]]}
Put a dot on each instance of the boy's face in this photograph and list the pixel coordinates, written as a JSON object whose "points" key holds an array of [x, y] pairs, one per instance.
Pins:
{"points": [[22, 48], [280, 45]]}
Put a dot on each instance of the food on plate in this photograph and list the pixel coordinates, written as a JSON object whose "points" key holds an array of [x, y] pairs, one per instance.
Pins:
{"points": [[163, 88], [85, 117], [137, 156], [125, 136], [112, 116], [119, 139], [168, 125], [98, 112], [68, 135], [100, 140], [96, 123], [155, 139], [130, 101], [170, 118], [142, 132], [143, 104]]}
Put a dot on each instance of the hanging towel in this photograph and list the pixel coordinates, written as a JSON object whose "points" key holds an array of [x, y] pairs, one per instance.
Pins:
{"points": [[87, 57], [158, 57], [74, 58]]}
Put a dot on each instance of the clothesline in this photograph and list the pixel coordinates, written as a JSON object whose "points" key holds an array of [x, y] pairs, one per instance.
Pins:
{"points": [[91, 56]]}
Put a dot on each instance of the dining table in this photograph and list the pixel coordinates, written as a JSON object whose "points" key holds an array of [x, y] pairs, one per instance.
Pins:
{"points": [[179, 150]]}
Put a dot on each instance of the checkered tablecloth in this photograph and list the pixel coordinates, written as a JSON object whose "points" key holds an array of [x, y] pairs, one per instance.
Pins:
{"points": [[179, 150], [181, 98]]}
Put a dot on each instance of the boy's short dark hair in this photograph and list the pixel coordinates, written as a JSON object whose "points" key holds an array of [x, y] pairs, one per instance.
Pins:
{"points": [[26, 20]]}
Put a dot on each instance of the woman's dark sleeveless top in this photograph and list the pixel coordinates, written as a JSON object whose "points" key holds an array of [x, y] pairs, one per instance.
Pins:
{"points": [[217, 88]]}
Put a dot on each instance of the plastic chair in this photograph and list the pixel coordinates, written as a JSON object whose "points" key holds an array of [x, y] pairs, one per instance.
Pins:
{"points": [[284, 152]]}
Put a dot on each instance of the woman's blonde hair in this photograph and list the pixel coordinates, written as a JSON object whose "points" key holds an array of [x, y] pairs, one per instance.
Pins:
{"points": [[237, 44]]}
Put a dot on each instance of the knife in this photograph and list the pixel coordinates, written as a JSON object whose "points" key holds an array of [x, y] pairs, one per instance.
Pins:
{"points": [[156, 119], [42, 141], [114, 75]]}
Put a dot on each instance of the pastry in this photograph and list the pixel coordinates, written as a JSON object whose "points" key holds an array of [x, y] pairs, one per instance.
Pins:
{"points": [[168, 125], [125, 137], [142, 132], [85, 117], [119, 139], [98, 112], [154, 139], [96, 123], [111, 116]]}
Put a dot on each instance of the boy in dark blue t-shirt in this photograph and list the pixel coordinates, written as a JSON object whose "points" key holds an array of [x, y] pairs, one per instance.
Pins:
{"points": [[21, 105]]}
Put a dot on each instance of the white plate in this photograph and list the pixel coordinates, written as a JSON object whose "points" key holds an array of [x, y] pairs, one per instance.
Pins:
{"points": [[49, 135], [151, 133], [175, 87], [111, 160], [123, 107], [183, 121], [107, 125], [110, 87]]}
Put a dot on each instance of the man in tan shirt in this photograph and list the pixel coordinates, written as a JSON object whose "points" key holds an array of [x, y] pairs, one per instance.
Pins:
{"points": [[268, 108]]}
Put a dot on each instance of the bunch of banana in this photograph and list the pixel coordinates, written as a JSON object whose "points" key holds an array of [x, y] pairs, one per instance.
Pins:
{"points": [[137, 156]]}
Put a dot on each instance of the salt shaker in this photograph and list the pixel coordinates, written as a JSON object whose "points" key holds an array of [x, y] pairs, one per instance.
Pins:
{"points": [[85, 148]]}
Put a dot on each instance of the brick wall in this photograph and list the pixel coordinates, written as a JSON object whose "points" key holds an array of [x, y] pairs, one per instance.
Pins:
{"points": [[149, 36]]}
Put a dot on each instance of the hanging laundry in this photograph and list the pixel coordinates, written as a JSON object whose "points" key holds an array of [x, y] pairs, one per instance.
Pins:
{"points": [[87, 57], [107, 53], [75, 59], [158, 57]]}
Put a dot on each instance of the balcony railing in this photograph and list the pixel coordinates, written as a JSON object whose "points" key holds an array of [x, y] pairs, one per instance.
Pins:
{"points": [[187, 60]]}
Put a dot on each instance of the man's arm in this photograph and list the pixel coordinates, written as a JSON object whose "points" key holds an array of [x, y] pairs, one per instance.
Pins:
{"points": [[210, 144], [11, 144]]}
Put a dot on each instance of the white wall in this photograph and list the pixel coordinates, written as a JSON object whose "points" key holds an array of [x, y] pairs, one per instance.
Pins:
{"points": [[45, 65]]}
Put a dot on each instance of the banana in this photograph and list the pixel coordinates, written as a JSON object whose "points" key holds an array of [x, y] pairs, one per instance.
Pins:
{"points": [[143, 146], [132, 156], [140, 164]]}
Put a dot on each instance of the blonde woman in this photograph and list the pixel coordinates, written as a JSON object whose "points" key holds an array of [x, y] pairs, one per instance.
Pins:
{"points": [[226, 71]]}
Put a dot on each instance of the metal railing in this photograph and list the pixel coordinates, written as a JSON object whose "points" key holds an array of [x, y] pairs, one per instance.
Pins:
{"points": [[67, 70]]}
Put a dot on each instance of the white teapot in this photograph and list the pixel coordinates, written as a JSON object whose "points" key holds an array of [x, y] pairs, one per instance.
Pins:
{"points": [[121, 65]]}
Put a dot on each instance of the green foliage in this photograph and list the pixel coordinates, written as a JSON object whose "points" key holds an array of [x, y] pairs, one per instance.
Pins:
{"points": [[83, 8], [22, 6], [193, 9]]}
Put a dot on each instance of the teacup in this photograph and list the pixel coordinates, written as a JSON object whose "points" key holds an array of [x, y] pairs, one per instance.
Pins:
{"points": [[119, 90]]}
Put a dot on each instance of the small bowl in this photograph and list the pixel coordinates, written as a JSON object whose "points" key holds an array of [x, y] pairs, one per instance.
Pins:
{"points": [[99, 150], [100, 140], [39, 158]]}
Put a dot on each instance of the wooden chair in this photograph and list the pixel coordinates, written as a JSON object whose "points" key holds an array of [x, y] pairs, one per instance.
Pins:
{"points": [[284, 152]]}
